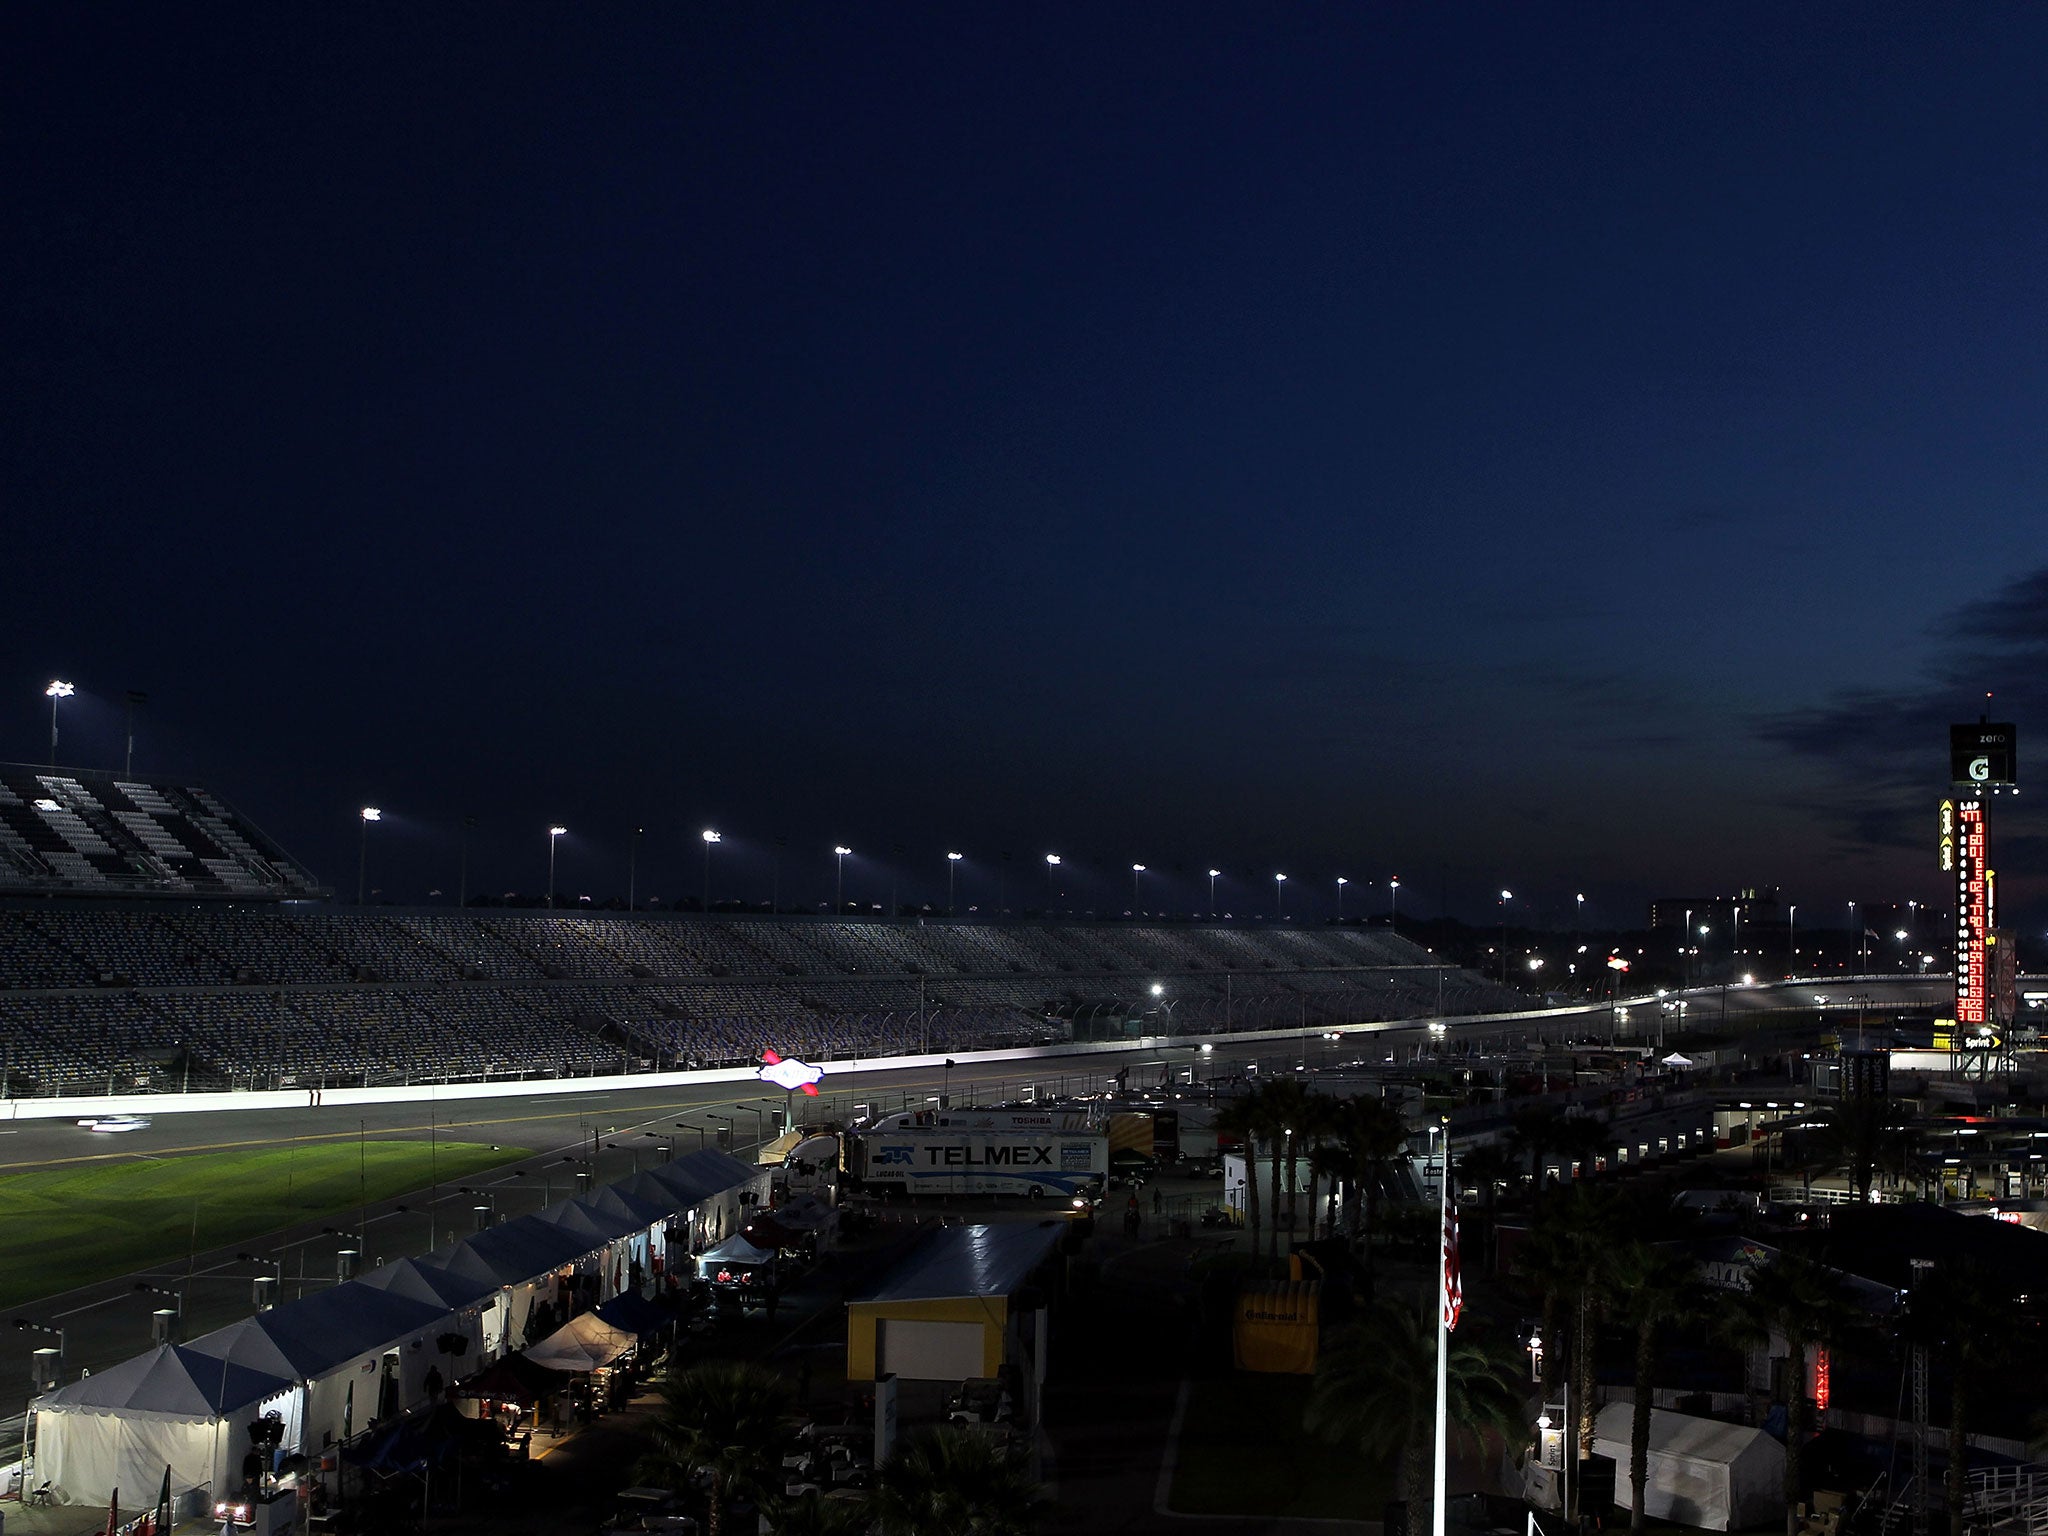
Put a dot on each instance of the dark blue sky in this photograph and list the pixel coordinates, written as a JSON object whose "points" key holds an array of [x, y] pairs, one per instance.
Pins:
{"points": [[1587, 448]]}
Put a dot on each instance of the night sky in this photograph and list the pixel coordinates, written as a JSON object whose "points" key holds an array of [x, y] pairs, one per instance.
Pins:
{"points": [[1580, 448]]}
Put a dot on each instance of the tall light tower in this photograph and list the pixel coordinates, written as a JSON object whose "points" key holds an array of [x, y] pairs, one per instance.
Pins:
{"points": [[1506, 896], [839, 852], [710, 837], [1137, 873], [1279, 897], [1394, 903], [1341, 883], [1213, 874], [1859, 936], [952, 867], [58, 689], [554, 836], [370, 813], [1792, 938], [1052, 862]]}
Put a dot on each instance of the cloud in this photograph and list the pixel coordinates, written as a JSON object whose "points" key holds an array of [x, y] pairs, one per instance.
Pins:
{"points": [[1889, 748]]}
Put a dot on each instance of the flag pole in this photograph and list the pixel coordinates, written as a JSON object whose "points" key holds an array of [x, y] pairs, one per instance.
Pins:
{"points": [[1448, 1258]]}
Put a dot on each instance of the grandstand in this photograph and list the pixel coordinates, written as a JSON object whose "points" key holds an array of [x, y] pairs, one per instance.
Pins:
{"points": [[153, 939], [105, 835], [115, 997]]}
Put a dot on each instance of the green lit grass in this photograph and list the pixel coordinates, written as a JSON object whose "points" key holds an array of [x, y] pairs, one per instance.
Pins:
{"points": [[67, 1227], [1242, 1452]]}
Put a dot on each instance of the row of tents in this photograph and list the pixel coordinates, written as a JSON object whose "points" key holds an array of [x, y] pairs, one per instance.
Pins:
{"points": [[326, 1365]]}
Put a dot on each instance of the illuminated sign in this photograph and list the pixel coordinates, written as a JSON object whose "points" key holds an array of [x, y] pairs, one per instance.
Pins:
{"points": [[1983, 755], [787, 1073], [1966, 845], [1823, 1378]]}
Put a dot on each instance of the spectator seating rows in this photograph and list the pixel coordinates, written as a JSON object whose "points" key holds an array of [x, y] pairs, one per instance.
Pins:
{"points": [[93, 994]]}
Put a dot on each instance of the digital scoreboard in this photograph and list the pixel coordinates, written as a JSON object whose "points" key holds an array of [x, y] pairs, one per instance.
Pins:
{"points": [[1965, 854]]}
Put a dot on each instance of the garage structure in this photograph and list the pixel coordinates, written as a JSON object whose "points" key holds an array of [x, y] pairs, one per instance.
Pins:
{"points": [[958, 1306]]}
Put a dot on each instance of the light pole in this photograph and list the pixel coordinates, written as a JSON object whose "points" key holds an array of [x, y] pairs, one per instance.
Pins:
{"points": [[1052, 862], [1859, 935], [1212, 893], [952, 867], [1279, 897], [710, 837], [633, 867], [1394, 903], [136, 699], [554, 836], [839, 852], [1341, 883], [1137, 871], [1684, 939], [1505, 897], [1791, 939], [370, 814], [58, 689]]}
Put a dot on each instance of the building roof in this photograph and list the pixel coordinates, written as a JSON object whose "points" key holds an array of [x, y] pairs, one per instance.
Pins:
{"points": [[993, 1260], [170, 1382]]}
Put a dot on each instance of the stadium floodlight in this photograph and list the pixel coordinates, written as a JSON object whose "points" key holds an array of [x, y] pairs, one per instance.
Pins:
{"points": [[839, 852], [58, 689], [1393, 900], [1341, 883], [1137, 873], [1507, 896], [1279, 897], [952, 865], [370, 813], [1214, 874], [554, 835], [710, 837]]}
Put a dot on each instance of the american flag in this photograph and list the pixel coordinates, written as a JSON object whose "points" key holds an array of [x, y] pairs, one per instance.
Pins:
{"points": [[1454, 1285]]}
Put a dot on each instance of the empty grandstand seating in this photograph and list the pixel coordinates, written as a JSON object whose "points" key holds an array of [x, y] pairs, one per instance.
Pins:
{"points": [[97, 833], [96, 995]]}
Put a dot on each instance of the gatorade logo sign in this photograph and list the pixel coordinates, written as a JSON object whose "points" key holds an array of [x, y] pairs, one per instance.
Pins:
{"points": [[1983, 755]]}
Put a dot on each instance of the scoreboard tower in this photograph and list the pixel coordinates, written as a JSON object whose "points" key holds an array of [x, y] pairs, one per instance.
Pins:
{"points": [[1983, 764]]}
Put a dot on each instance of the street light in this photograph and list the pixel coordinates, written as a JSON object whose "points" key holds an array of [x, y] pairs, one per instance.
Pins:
{"points": [[710, 837], [839, 852], [1212, 893], [1136, 871], [952, 867], [57, 690], [370, 814], [554, 835], [1505, 897], [1341, 883]]}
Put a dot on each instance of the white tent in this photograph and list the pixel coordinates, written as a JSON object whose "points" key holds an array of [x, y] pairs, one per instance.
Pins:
{"points": [[169, 1408], [1724, 1477], [582, 1344], [1676, 1060]]}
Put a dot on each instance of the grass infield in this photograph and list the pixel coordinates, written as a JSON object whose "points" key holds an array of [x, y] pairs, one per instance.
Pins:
{"points": [[67, 1227]]}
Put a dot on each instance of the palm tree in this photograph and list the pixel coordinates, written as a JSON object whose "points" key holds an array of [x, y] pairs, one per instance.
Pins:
{"points": [[723, 1422], [954, 1482], [1802, 1302], [1655, 1289], [1282, 1103], [1965, 1313], [1375, 1389], [1318, 1121], [813, 1514], [1243, 1119], [1374, 1134], [1565, 1258]]}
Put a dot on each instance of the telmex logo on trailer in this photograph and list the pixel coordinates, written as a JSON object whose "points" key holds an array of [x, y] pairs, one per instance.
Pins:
{"points": [[989, 1157]]}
